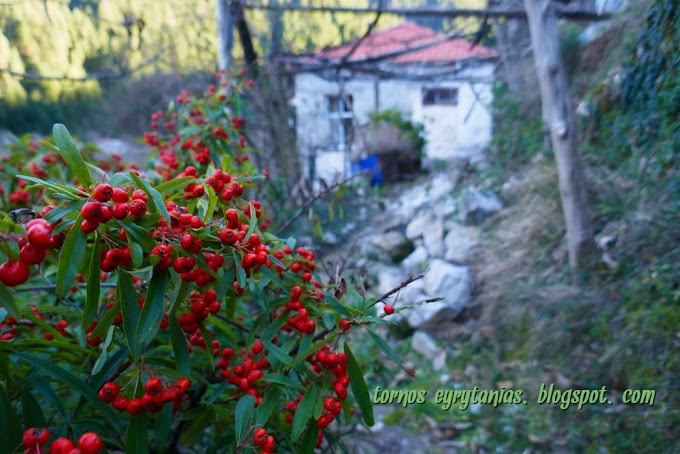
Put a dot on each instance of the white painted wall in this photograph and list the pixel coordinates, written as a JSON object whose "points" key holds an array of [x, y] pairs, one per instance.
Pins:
{"points": [[451, 131]]}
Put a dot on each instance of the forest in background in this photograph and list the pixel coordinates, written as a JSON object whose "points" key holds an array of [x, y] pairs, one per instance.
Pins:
{"points": [[75, 60]]}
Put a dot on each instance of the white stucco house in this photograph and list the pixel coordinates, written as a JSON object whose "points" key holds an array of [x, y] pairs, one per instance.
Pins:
{"points": [[442, 82]]}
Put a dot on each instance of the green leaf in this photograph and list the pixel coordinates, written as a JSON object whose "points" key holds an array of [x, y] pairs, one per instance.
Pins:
{"points": [[337, 306], [313, 349], [77, 385], [309, 442], [136, 252], [156, 202], [9, 425], [244, 410], [7, 300], [267, 407], [69, 151], [127, 298], [277, 352], [111, 366], [212, 203], [359, 388], [253, 224], [137, 437], [105, 348], [72, 253], [172, 186], [384, 347], [304, 412], [93, 284], [139, 234], [154, 307], [32, 413], [282, 380], [202, 418], [43, 385], [179, 346], [107, 320]]}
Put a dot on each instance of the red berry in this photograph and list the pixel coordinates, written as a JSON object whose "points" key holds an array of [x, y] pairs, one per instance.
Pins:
{"points": [[344, 324], [40, 236], [61, 446], [103, 192], [89, 226], [35, 436], [120, 196], [388, 309], [31, 254], [153, 386], [14, 273], [135, 407], [92, 211], [109, 392], [120, 403], [90, 443]]}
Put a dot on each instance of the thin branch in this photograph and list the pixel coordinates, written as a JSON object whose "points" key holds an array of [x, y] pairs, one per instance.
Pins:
{"points": [[345, 58], [389, 293], [310, 202], [43, 288]]}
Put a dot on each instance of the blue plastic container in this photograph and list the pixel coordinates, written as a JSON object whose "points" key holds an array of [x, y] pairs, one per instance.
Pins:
{"points": [[370, 166]]}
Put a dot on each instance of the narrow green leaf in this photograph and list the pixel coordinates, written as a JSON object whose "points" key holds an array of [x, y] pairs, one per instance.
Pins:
{"points": [[107, 320], [244, 410], [309, 442], [337, 306], [31, 411], [136, 252], [7, 300], [114, 362], [93, 284], [179, 346], [212, 203], [154, 307], [137, 437], [304, 412], [105, 349], [359, 388], [139, 234], [313, 349], [156, 202], [279, 379], [9, 425], [69, 151], [203, 417], [43, 385], [253, 223], [267, 407], [76, 384], [385, 347], [172, 186], [127, 299], [72, 253], [277, 352]]}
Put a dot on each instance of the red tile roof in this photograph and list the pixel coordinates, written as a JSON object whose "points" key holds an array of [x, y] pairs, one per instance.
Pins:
{"points": [[399, 39]]}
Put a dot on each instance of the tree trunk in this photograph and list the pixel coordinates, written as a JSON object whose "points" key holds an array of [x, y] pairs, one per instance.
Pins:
{"points": [[559, 115], [225, 34]]}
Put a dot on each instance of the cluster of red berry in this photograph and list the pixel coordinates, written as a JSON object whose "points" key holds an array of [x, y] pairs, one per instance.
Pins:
{"points": [[248, 371], [157, 394], [11, 324], [265, 441], [35, 439], [34, 246], [98, 211]]}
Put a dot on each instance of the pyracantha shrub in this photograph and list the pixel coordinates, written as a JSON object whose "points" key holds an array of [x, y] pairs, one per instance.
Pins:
{"points": [[142, 310]]}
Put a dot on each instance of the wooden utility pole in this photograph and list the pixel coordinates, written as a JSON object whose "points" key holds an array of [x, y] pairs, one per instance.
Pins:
{"points": [[558, 113]]}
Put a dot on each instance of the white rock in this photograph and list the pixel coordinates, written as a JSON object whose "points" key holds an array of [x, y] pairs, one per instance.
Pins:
{"points": [[433, 237], [459, 243], [451, 282], [475, 206], [417, 259], [330, 238], [415, 228], [424, 344], [389, 242], [441, 185]]}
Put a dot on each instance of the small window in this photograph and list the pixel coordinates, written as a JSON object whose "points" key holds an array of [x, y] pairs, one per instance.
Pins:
{"points": [[440, 96], [341, 120]]}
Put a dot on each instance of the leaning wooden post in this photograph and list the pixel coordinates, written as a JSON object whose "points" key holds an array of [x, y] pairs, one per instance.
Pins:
{"points": [[558, 112]]}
